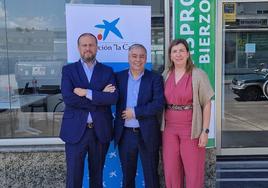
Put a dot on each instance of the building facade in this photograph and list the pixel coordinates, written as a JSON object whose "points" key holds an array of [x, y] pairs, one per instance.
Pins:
{"points": [[33, 50]]}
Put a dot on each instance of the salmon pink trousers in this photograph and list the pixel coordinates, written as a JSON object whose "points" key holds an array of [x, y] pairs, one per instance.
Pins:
{"points": [[183, 159]]}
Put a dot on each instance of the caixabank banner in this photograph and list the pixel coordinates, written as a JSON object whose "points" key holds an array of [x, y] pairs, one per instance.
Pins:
{"points": [[116, 27], [194, 20]]}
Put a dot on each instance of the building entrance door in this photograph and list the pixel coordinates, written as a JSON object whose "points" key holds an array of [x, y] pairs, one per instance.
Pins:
{"points": [[243, 51]]}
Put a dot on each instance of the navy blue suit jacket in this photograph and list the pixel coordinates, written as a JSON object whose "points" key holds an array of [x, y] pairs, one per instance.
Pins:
{"points": [[77, 108], [150, 104]]}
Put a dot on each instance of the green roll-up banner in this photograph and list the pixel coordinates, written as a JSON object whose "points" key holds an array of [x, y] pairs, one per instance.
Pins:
{"points": [[194, 20]]}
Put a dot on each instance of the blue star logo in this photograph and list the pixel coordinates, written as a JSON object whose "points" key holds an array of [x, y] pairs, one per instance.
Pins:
{"points": [[110, 26]]}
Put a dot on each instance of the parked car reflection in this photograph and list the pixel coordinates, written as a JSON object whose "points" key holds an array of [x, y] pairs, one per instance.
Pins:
{"points": [[249, 87], [265, 89]]}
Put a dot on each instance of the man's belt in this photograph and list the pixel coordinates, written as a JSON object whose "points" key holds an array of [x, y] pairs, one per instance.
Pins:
{"points": [[90, 125], [133, 129], [179, 107]]}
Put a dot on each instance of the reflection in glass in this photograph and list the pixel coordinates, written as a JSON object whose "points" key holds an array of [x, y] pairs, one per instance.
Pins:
{"points": [[33, 51], [5, 89], [36, 41], [244, 118]]}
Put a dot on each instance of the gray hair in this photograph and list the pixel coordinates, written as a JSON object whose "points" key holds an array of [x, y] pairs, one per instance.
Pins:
{"points": [[133, 46]]}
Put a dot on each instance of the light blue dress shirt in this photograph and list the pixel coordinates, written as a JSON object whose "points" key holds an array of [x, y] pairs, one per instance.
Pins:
{"points": [[133, 87], [89, 72]]}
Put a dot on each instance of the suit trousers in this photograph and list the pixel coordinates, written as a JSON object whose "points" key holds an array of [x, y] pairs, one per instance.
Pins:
{"points": [[182, 158], [75, 157], [130, 146]]}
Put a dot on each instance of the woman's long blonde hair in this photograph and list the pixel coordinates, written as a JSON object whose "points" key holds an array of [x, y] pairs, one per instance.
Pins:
{"points": [[189, 63]]}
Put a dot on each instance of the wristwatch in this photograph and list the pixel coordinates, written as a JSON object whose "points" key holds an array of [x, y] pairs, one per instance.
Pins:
{"points": [[206, 131]]}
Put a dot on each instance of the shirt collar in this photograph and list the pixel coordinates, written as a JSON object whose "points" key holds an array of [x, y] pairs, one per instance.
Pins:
{"points": [[94, 62], [132, 77]]}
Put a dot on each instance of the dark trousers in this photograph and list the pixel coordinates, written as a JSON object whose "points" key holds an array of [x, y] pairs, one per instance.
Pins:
{"points": [[75, 157], [132, 144]]}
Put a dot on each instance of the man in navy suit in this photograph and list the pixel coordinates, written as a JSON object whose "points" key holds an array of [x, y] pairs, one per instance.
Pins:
{"points": [[137, 131], [88, 90]]}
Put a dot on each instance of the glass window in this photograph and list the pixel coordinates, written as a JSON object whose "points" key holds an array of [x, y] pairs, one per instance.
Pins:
{"points": [[34, 54], [5, 123], [33, 51], [244, 118]]}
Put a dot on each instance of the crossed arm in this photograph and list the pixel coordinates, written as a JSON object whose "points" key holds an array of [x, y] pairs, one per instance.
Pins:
{"points": [[76, 96], [109, 89], [83, 92]]}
